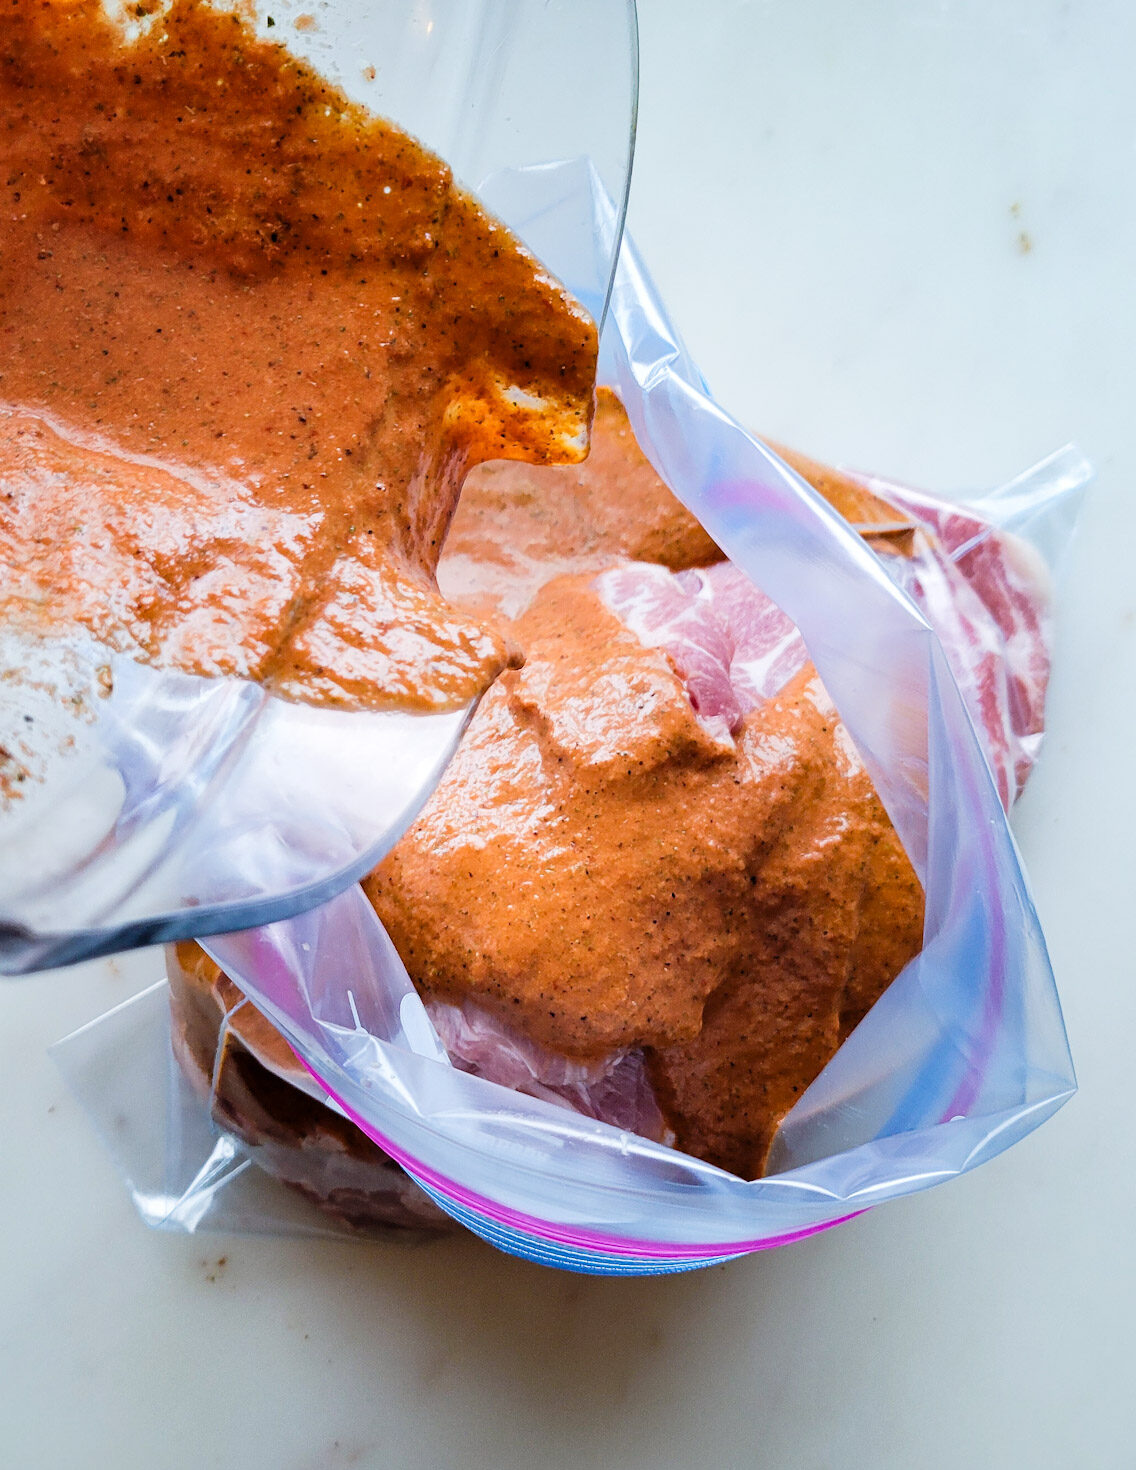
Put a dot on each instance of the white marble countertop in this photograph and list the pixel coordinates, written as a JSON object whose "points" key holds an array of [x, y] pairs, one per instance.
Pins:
{"points": [[899, 234]]}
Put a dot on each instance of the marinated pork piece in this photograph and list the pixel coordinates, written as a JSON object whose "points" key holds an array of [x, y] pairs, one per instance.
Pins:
{"points": [[602, 867], [245, 1072], [667, 742]]}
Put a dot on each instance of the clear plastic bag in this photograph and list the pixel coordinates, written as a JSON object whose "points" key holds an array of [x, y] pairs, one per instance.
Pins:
{"points": [[185, 1170], [965, 1052]]}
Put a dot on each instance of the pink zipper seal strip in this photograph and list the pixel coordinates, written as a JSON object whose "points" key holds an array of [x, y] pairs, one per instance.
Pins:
{"points": [[582, 1238]]}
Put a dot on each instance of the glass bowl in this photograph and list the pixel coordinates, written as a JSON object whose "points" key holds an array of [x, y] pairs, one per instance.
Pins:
{"points": [[183, 806]]}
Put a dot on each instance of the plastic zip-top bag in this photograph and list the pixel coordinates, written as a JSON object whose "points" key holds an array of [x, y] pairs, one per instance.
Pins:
{"points": [[964, 1053]]}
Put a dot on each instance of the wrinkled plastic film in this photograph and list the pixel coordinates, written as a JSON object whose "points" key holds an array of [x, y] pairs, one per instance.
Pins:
{"points": [[184, 1171], [963, 1054], [966, 1051]]}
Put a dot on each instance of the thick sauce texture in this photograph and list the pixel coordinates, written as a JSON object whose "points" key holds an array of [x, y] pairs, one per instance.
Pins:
{"points": [[603, 874], [600, 871], [251, 339]]}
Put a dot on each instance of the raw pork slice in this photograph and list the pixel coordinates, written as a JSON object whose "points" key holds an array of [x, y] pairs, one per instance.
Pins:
{"points": [[614, 1088], [731, 645], [989, 596], [984, 591]]}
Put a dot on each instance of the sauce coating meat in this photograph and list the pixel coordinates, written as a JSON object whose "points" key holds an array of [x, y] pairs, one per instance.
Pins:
{"points": [[656, 854], [607, 868], [253, 338], [601, 873]]}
